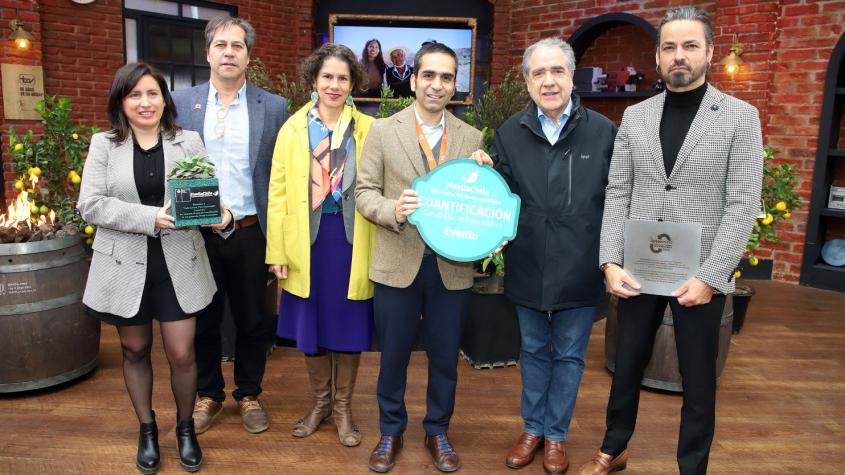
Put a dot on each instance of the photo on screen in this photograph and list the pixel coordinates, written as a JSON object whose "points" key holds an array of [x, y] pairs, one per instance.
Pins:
{"points": [[386, 45]]}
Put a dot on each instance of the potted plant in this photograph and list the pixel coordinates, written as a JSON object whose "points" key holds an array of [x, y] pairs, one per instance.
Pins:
{"points": [[777, 201], [491, 335], [49, 165], [194, 192]]}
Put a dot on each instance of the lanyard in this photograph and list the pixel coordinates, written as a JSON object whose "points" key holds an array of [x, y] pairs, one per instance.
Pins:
{"points": [[429, 155]]}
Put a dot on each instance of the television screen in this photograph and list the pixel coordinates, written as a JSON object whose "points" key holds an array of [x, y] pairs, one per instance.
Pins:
{"points": [[387, 45]]}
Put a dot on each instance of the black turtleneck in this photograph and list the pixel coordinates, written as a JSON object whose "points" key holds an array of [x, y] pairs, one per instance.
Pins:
{"points": [[679, 110]]}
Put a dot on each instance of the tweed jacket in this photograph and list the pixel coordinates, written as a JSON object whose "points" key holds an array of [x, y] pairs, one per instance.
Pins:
{"points": [[390, 162], [716, 181], [109, 200], [292, 226], [267, 113]]}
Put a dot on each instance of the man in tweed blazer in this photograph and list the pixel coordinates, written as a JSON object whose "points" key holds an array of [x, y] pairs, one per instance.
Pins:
{"points": [[238, 123], [409, 278], [689, 155]]}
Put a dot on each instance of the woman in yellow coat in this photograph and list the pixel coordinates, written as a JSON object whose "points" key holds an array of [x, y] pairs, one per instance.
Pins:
{"points": [[317, 243]]}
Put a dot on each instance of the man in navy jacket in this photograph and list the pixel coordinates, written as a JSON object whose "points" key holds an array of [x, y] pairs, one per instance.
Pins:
{"points": [[555, 155]]}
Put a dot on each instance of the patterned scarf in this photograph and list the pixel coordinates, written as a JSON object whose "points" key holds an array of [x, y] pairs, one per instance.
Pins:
{"points": [[329, 150]]}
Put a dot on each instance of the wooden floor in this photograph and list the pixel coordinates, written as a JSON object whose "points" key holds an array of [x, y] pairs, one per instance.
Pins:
{"points": [[781, 409]]}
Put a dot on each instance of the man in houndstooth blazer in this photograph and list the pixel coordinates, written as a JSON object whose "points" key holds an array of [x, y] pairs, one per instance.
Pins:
{"points": [[689, 155]]}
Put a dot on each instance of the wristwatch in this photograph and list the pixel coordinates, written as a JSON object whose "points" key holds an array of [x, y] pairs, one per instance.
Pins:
{"points": [[606, 264]]}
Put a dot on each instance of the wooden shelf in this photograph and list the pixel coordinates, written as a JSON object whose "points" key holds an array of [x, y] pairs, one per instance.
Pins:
{"points": [[833, 212], [827, 267], [638, 94]]}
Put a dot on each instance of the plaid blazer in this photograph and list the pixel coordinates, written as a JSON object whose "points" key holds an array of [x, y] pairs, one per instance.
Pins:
{"points": [[716, 181], [109, 200]]}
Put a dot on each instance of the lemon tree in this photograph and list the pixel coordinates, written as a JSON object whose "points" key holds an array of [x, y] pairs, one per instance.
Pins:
{"points": [[56, 156], [778, 200]]}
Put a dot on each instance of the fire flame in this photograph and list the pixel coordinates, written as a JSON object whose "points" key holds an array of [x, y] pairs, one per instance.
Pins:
{"points": [[18, 213]]}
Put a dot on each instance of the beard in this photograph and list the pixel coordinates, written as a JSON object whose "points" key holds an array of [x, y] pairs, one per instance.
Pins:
{"points": [[683, 78]]}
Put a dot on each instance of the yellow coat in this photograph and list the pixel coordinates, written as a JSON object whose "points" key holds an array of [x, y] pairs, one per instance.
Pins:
{"points": [[288, 239]]}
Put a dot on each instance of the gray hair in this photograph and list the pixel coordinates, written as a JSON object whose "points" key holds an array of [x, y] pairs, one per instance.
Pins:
{"points": [[688, 13], [568, 53], [224, 21]]}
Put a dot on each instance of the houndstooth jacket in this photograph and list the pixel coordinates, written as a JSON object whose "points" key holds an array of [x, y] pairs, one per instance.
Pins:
{"points": [[109, 200], [716, 181]]}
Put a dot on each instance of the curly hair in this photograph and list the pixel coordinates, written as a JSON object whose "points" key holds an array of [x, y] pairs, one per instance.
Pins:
{"points": [[310, 68]]}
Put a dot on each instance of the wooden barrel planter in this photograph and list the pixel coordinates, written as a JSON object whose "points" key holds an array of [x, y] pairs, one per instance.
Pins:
{"points": [[45, 336], [662, 370]]}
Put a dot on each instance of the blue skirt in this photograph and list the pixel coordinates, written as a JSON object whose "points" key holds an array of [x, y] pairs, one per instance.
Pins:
{"points": [[327, 319]]}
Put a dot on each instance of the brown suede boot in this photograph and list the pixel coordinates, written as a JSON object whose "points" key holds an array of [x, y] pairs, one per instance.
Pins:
{"points": [[346, 370], [320, 375]]}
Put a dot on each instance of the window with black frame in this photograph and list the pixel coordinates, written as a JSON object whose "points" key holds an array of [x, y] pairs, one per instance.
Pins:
{"points": [[170, 36]]}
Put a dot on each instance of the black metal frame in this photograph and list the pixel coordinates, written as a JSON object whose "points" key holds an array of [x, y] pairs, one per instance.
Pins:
{"points": [[146, 19], [814, 272]]}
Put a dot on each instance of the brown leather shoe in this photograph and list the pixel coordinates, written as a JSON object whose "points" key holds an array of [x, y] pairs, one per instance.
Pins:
{"points": [[555, 460], [444, 456], [253, 416], [383, 457], [523, 452], [206, 411], [602, 464]]}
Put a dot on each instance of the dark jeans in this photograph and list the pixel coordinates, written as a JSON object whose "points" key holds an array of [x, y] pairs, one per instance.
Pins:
{"points": [[397, 319], [697, 340], [240, 273]]}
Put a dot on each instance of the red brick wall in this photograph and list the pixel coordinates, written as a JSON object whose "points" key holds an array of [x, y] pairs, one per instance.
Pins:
{"points": [[27, 12], [616, 49], [787, 44], [81, 46]]}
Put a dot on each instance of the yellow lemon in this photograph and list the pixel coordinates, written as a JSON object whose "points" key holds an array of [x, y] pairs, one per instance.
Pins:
{"points": [[737, 274], [18, 147], [753, 260], [76, 179], [75, 136], [768, 219], [35, 171], [787, 215], [44, 209], [89, 241], [780, 206], [89, 230], [19, 185]]}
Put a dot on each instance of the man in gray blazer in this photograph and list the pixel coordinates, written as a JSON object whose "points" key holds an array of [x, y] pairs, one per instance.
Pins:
{"points": [[689, 155], [238, 123]]}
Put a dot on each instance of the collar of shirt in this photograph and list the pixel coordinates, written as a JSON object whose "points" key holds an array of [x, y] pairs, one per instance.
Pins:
{"points": [[214, 95], [433, 133], [552, 131]]}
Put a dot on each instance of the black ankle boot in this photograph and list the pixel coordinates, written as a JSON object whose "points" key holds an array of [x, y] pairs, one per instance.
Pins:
{"points": [[148, 458], [190, 454]]}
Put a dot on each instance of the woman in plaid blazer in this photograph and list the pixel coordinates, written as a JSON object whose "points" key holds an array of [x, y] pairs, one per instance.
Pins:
{"points": [[143, 268]]}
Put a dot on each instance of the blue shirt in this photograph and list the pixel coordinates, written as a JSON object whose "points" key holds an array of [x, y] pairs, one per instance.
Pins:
{"points": [[551, 131], [226, 133]]}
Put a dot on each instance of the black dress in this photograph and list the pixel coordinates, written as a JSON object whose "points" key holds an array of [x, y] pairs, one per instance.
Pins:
{"points": [[158, 300]]}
